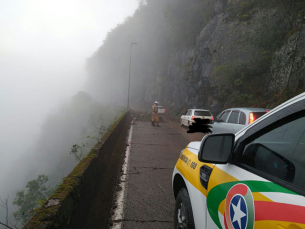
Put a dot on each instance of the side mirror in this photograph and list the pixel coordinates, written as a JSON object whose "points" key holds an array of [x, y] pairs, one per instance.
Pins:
{"points": [[216, 148]]}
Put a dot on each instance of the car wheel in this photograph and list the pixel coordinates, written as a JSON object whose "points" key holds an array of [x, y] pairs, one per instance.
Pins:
{"points": [[183, 211]]}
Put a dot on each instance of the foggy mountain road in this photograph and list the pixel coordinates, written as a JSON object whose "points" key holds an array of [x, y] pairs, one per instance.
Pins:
{"points": [[154, 152], [68, 72]]}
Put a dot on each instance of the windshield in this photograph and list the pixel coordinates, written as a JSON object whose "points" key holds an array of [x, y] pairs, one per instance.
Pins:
{"points": [[202, 113]]}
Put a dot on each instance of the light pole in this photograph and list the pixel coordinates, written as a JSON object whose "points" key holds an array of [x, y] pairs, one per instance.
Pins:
{"points": [[131, 44]]}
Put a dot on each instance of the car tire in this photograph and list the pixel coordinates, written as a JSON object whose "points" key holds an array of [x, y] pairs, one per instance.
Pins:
{"points": [[183, 211]]}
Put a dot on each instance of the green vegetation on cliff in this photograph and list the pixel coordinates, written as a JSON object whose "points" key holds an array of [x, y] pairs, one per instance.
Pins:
{"points": [[80, 121], [35, 194]]}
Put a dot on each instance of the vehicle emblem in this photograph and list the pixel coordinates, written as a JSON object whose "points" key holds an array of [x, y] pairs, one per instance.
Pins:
{"points": [[239, 194], [239, 208]]}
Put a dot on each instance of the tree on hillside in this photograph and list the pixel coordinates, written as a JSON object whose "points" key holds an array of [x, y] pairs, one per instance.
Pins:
{"points": [[34, 194], [4, 204], [108, 67]]}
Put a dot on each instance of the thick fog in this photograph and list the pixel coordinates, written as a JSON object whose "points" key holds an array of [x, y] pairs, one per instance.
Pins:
{"points": [[43, 50], [149, 29]]}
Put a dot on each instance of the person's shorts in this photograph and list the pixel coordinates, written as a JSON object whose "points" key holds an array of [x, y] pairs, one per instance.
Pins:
{"points": [[155, 118]]}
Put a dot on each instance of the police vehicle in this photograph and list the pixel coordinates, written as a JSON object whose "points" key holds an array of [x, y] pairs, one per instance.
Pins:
{"points": [[252, 179]]}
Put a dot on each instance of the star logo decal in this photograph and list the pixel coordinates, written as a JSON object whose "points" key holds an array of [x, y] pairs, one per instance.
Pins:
{"points": [[238, 212]]}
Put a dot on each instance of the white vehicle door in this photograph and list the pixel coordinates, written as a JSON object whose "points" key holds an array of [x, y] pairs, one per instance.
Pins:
{"points": [[232, 125], [189, 117], [185, 118], [241, 121], [263, 186], [218, 125]]}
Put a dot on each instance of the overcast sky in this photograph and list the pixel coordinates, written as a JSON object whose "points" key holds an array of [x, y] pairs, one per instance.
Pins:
{"points": [[43, 48]]}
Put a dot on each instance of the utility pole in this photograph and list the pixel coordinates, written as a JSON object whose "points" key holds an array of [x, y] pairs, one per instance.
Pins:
{"points": [[131, 44]]}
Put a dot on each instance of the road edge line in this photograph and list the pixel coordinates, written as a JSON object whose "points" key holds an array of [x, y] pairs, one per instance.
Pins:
{"points": [[118, 214]]}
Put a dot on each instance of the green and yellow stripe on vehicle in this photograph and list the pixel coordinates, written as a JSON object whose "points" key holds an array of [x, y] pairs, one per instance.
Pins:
{"points": [[266, 212]]}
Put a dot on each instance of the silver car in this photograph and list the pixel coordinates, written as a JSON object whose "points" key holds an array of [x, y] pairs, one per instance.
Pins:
{"points": [[234, 119]]}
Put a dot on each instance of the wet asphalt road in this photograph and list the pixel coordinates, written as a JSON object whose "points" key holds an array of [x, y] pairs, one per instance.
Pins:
{"points": [[154, 153]]}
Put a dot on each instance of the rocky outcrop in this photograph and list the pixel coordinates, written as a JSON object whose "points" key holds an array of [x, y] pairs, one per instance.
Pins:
{"points": [[242, 57], [246, 53]]}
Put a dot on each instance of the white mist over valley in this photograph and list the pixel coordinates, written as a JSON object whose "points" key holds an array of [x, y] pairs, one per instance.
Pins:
{"points": [[44, 109]]}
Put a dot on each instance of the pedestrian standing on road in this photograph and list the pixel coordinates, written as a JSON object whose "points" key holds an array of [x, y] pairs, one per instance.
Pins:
{"points": [[155, 116]]}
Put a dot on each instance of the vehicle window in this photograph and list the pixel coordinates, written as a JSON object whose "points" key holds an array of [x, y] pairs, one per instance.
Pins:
{"points": [[224, 116], [258, 114], [242, 118], [202, 113], [189, 113], [278, 150], [233, 117], [218, 116]]}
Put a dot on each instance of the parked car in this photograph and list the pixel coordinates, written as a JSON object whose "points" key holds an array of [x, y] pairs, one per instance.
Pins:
{"points": [[192, 114], [161, 110], [252, 179], [234, 119]]}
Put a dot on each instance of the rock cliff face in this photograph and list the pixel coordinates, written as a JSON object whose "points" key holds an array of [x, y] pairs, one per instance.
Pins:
{"points": [[246, 53], [250, 53]]}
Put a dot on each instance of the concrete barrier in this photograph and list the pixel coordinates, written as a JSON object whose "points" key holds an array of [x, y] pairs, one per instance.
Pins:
{"points": [[84, 198]]}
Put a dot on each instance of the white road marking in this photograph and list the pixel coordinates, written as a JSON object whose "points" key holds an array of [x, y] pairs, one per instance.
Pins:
{"points": [[118, 215]]}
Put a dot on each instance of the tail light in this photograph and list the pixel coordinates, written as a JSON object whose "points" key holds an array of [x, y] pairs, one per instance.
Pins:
{"points": [[267, 111], [193, 117], [212, 118], [164, 110], [251, 118]]}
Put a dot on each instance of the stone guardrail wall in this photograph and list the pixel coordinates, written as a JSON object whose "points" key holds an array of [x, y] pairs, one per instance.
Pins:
{"points": [[84, 198]]}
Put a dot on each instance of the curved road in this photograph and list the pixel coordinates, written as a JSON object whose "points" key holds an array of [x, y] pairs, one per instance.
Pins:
{"points": [[149, 201]]}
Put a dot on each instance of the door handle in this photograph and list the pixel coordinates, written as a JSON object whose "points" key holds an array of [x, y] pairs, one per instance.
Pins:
{"points": [[205, 172]]}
